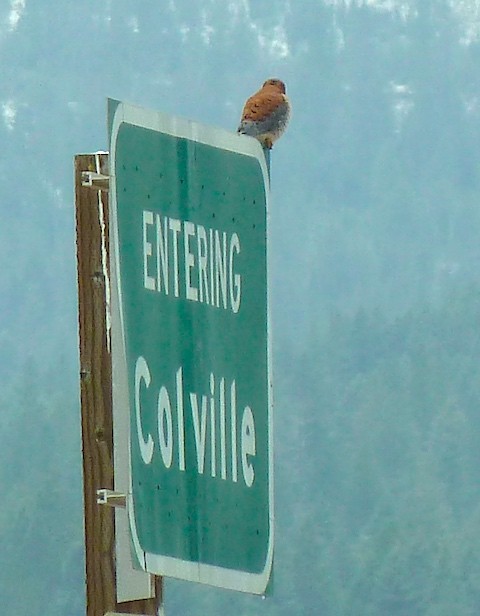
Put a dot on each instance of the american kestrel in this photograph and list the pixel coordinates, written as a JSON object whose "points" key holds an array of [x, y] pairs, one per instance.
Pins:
{"points": [[265, 114]]}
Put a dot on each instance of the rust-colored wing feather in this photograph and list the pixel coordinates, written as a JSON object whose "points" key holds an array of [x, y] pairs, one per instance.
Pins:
{"points": [[262, 104]]}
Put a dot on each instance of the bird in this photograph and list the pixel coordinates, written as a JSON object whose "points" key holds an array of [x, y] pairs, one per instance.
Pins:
{"points": [[266, 113]]}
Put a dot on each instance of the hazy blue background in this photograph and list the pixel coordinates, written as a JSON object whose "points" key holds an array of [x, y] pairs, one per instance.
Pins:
{"points": [[375, 285]]}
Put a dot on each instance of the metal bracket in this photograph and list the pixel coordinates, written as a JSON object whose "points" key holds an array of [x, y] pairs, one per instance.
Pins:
{"points": [[111, 498], [98, 181]]}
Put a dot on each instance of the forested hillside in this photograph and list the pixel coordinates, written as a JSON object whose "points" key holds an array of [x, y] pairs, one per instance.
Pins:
{"points": [[375, 285]]}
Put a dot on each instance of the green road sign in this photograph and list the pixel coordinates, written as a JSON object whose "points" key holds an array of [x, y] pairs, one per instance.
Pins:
{"points": [[190, 346]]}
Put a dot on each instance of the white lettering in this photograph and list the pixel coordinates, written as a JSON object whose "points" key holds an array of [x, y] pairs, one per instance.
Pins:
{"points": [[220, 269], [142, 373], [248, 445], [223, 428], [165, 429], [148, 281], [234, 278], [233, 427], [212, 427], [212, 281], [203, 419], [162, 253], [180, 424], [206, 273], [200, 429], [189, 231], [176, 227], [202, 264]]}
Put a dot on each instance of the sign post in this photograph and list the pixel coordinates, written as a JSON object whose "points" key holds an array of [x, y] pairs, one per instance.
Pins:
{"points": [[190, 346], [96, 398]]}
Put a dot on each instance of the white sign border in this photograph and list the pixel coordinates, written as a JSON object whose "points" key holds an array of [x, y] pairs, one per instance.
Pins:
{"points": [[232, 579]]}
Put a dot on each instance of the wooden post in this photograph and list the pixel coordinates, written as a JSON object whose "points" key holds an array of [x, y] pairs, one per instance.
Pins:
{"points": [[96, 397]]}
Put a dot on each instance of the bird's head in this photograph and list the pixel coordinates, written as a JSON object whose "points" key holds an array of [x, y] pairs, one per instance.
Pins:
{"points": [[275, 83]]}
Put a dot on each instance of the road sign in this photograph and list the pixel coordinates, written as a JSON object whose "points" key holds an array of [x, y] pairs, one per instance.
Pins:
{"points": [[190, 346]]}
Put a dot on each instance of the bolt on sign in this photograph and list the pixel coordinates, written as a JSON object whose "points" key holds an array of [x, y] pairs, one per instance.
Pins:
{"points": [[190, 346]]}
